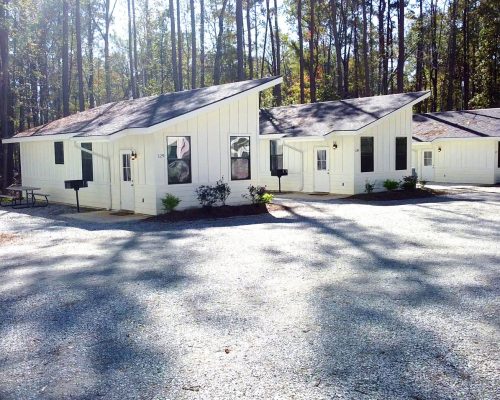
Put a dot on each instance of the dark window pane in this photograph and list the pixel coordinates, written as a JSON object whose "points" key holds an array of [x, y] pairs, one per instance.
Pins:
{"points": [[59, 152], [87, 163], [367, 154], [179, 159], [401, 152], [240, 157], [276, 151]]}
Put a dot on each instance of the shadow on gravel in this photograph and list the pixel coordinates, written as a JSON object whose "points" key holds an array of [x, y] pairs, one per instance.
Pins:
{"points": [[382, 332], [79, 328]]}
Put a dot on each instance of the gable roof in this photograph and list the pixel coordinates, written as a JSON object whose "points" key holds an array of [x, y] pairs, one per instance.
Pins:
{"points": [[145, 112], [456, 125], [320, 119]]}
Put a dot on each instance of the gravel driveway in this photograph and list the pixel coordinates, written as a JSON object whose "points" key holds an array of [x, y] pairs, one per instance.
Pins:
{"points": [[332, 300]]}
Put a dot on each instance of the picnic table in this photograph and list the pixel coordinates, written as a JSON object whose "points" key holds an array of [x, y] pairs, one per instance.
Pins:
{"points": [[30, 197]]}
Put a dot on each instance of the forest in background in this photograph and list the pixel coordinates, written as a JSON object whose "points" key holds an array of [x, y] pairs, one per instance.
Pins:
{"points": [[58, 57]]}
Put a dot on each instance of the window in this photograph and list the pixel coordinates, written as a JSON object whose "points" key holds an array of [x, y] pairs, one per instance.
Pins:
{"points": [[401, 153], [179, 159], [126, 169], [240, 157], [321, 160], [367, 154], [59, 152], [276, 148], [87, 164], [427, 158]]}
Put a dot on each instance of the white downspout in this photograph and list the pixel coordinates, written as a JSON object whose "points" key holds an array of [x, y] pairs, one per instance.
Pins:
{"points": [[108, 158], [301, 163]]}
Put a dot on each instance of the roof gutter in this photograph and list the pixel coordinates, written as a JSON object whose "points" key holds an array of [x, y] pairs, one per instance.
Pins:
{"points": [[108, 158]]}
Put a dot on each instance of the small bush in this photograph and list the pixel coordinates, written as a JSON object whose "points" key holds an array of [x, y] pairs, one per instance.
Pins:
{"points": [[255, 194], [390, 184], [207, 195], [369, 187], [170, 202], [223, 191], [409, 182], [266, 198]]}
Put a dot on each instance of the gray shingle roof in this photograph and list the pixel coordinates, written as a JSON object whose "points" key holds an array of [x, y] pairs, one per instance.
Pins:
{"points": [[319, 119], [141, 113], [456, 124]]}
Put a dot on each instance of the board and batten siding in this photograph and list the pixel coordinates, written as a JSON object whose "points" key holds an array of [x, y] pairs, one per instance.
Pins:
{"points": [[38, 169], [345, 161], [210, 133]]}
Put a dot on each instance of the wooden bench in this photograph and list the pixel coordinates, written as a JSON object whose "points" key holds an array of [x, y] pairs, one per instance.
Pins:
{"points": [[9, 198], [45, 201]]}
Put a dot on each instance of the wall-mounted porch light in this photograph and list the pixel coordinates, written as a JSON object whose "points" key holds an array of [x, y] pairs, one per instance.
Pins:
{"points": [[439, 149], [133, 156], [335, 146]]}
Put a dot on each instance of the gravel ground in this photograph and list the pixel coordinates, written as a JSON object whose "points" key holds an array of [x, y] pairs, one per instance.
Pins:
{"points": [[332, 300]]}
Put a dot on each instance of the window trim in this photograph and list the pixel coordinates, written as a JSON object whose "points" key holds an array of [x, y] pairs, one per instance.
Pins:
{"points": [[87, 156], [277, 156], [249, 158], [431, 158], [405, 154], [59, 160], [175, 159], [372, 153]]}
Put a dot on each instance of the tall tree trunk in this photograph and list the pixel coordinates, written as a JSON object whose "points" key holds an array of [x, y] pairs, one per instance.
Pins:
{"points": [[173, 39], [366, 51], [108, 16], [132, 81], [338, 48], [65, 60], [401, 46], [271, 36], [79, 61], [356, 50], [452, 57], [4, 92], [249, 39], [134, 37], [434, 56], [179, 46], [277, 88], [90, 52], [466, 70], [193, 45], [218, 46], [301, 51], [382, 49], [202, 43], [239, 40], [420, 54], [312, 34]]}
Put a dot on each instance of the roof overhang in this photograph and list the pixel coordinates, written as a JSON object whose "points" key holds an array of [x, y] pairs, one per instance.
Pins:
{"points": [[145, 131], [451, 139]]}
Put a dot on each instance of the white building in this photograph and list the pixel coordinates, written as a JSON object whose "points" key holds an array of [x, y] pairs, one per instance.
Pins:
{"points": [[457, 146], [134, 152], [338, 146]]}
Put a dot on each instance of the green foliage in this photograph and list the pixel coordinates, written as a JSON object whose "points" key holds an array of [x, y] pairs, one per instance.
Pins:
{"points": [[223, 191], [369, 186], [390, 184], [257, 195], [170, 202], [209, 195], [409, 182]]}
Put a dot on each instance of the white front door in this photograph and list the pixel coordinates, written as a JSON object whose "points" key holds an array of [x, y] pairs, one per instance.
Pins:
{"points": [[127, 201], [427, 166], [321, 170]]}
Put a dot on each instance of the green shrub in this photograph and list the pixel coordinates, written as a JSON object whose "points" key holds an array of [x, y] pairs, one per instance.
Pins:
{"points": [[369, 186], [207, 195], [223, 190], [170, 202], [266, 198], [256, 194], [390, 184], [409, 182]]}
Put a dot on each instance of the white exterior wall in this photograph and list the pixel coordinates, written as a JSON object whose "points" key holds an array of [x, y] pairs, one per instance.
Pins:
{"points": [[38, 169], [345, 161], [462, 160], [497, 163], [210, 160]]}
